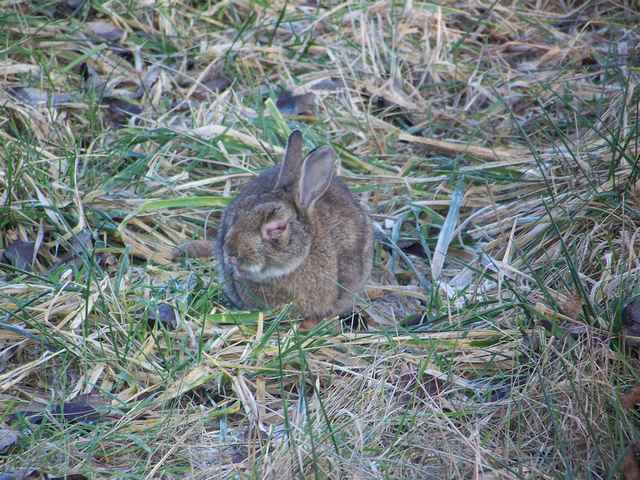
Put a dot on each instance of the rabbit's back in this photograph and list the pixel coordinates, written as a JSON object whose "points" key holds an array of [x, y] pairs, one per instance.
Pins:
{"points": [[350, 233]]}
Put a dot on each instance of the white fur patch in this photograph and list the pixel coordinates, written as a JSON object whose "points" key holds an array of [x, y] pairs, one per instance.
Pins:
{"points": [[274, 272], [258, 274]]}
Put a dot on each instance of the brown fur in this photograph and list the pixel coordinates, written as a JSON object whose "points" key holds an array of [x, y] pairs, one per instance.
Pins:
{"points": [[325, 252]]}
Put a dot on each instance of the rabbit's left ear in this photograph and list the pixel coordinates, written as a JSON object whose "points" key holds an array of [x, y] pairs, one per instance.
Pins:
{"points": [[290, 166], [316, 175]]}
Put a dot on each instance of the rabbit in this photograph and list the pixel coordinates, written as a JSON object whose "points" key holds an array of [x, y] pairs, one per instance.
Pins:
{"points": [[295, 234]]}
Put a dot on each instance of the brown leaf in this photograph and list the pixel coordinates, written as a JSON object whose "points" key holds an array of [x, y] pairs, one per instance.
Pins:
{"points": [[92, 79], [291, 104], [411, 386], [20, 254], [37, 97], [164, 314], [631, 398], [8, 438], [105, 30], [149, 79], [34, 474], [631, 318], [26, 474], [630, 466], [217, 84], [82, 242], [414, 248], [107, 261], [74, 411], [119, 111], [328, 84]]}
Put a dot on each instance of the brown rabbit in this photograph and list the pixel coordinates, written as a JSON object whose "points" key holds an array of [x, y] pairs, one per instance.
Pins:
{"points": [[295, 234]]}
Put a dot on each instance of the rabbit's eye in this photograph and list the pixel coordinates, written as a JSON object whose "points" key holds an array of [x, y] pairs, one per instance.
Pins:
{"points": [[272, 212]]}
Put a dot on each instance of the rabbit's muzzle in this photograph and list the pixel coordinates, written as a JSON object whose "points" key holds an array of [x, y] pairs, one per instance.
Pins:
{"points": [[243, 264], [242, 268]]}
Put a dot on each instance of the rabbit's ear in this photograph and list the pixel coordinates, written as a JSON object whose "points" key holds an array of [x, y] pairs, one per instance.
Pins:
{"points": [[317, 173], [290, 166]]}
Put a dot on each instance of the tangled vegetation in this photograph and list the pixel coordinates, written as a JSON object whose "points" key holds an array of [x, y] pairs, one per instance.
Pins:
{"points": [[496, 145]]}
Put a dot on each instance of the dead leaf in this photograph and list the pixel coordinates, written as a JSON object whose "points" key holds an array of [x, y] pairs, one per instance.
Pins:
{"points": [[414, 248], [328, 84], [74, 411], [631, 398], [149, 79], [8, 438], [82, 243], [630, 466], [217, 84], [26, 474], [105, 30], [119, 111], [411, 385], [21, 254], [34, 474], [500, 392], [92, 79], [291, 104], [107, 261], [164, 314], [631, 318], [36, 97]]}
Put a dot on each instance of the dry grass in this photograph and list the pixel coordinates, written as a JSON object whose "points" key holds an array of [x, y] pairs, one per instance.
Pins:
{"points": [[496, 144]]}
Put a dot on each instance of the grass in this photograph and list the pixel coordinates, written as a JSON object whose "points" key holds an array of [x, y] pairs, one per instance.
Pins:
{"points": [[496, 145]]}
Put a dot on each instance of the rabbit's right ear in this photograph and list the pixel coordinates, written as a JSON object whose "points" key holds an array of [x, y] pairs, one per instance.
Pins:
{"points": [[290, 167], [317, 173]]}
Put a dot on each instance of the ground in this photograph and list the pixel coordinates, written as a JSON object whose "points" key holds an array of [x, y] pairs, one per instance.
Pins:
{"points": [[496, 146]]}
